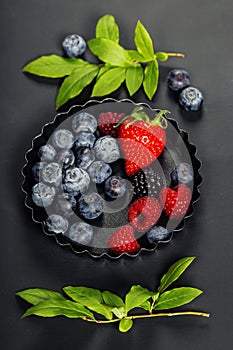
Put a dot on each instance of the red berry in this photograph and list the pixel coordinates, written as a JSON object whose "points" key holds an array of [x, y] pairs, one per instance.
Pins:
{"points": [[176, 201], [144, 213], [108, 121], [123, 240]]}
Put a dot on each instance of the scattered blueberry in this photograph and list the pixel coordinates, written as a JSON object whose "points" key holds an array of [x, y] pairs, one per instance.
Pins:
{"points": [[74, 45], [81, 233], [178, 79], [56, 223], [99, 171], [37, 169], [63, 138], [157, 233], [66, 204], [84, 157], [84, 122], [43, 195], [107, 149], [76, 181], [191, 99], [47, 153], [90, 205], [183, 173], [115, 186], [85, 139], [65, 158], [52, 174]]}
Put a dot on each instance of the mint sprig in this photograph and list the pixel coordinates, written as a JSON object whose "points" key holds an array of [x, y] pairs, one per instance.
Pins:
{"points": [[118, 65], [89, 303]]}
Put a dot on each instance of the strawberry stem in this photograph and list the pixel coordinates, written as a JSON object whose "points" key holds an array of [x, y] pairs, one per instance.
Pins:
{"points": [[160, 119]]}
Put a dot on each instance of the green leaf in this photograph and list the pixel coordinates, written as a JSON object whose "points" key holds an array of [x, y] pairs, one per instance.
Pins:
{"points": [[161, 56], [107, 28], [110, 52], [143, 42], [105, 68], [174, 273], [35, 296], [135, 56], [136, 297], [109, 81], [151, 78], [119, 312], [112, 299], [56, 307], [134, 79], [53, 66], [75, 83], [176, 297], [146, 305], [125, 325]]}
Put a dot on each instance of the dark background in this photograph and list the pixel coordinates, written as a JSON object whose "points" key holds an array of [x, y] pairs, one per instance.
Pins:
{"points": [[203, 31]]}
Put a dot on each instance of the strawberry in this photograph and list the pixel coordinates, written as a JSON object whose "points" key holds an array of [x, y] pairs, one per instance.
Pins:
{"points": [[108, 123], [123, 240], [144, 213], [142, 140], [176, 201]]}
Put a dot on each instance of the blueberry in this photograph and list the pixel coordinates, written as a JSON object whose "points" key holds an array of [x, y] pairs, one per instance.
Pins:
{"points": [[66, 204], [76, 181], [43, 195], [37, 169], [157, 233], [81, 233], [56, 223], [115, 186], [74, 45], [183, 173], [191, 99], [65, 158], [84, 157], [63, 139], [178, 79], [99, 171], [84, 122], [52, 174], [107, 149], [47, 153], [90, 205], [85, 139]]}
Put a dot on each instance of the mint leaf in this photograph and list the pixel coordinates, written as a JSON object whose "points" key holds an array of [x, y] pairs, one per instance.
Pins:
{"points": [[151, 78], [53, 66], [176, 297], [112, 299], [125, 325], [143, 42], [56, 307], [136, 56], [110, 52], [174, 273], [146, 305], [107, 28], [134, 79], [35, 296], [109, 81], [75, 83], [161, 56], [136, 297], [104, 69]]}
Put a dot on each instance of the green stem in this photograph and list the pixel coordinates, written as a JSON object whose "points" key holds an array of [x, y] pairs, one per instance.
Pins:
{"points": [[175, 54]]}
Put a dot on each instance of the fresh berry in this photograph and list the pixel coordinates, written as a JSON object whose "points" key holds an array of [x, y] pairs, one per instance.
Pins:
{"points": [[108, 121], [123, 240], [43, 195], [176, 201], [76, 181], [99, 171], [183, 173], [142, 140], [148, 182], [156, 234], [191, 99], [85, 139], [47, 153], [56, 223], [90, 205], [144, 213], [65, 158], [66, 204], [63, 139], [37, 169], [84, 122], [84, 157], [81, 233], [115, 186], [52, 174], [74, 45], [178, 79], [107, 149]]}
